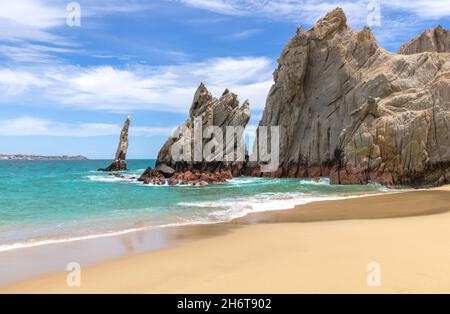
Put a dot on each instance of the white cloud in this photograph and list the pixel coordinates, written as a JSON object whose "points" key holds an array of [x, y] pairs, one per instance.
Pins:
{"points": [[38, 19], [25, 22], [30, 19], [16, 82], [427, 9], [31, 126], [309, 11], [34, 53], [163, 88], [245, 33], [298, 11], [149, 131], [33, 13], [401, 20], [220, 6]]}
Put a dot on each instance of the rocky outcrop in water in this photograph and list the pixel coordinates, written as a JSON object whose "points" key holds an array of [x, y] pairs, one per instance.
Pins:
{"points": [[351, 110], [197, 168], [119, 163]]}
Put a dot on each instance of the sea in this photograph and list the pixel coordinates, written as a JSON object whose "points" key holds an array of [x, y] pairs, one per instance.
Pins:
{"points": [[45, 202]]}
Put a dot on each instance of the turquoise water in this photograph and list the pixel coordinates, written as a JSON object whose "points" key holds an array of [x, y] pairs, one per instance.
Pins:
{"points": [[53, 201]]}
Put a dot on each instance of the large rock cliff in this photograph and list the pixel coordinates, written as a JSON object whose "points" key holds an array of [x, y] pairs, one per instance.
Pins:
{"points": [[351, 110], [205, 111]]}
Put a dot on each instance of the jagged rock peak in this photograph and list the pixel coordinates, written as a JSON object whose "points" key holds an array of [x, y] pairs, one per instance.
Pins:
{"points": [[332, 22], [201, 98], [219, 112], [327, 28], [432, 40], [366, 34]]}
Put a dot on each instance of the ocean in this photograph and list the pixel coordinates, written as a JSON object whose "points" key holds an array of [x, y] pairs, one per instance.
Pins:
{"points": [[44, 202]]}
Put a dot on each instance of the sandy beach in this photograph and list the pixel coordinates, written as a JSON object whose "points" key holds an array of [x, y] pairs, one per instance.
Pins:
{"points": [[322, 247]]}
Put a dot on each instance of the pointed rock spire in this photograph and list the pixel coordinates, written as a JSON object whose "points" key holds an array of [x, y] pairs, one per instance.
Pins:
{"points": [[122, 149], [201, 98], [119, 163]]}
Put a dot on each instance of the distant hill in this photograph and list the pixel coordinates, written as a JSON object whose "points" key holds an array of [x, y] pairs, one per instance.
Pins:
{"points": [[35, 157]]}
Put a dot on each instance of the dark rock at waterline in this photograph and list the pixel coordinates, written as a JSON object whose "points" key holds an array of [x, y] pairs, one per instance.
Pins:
{"points": [[151, 176], [121, 176], [116, 165], [165, 170], [194, 177]]}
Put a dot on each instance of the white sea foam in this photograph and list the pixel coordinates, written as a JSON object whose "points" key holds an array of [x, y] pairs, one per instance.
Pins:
{"points": [[111, 179], [241, 181], [129, 178], [124, 178], [229, 209], [321, 181]]}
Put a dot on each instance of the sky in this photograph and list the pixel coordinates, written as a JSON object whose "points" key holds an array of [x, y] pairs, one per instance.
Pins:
{"points": [[70, 73]]}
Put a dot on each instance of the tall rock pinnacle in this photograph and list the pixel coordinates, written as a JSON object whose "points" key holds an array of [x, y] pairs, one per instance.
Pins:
{"points": [[119, 163]]}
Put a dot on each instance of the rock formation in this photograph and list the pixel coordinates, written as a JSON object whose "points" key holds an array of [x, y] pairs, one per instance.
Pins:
{"points": [[119, 163], [228, 160], [357, 113], [432, 40]]}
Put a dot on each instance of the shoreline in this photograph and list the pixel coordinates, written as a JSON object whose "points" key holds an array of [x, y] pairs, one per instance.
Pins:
{"points": [[403, 205], [51, 252], [122, 232]]}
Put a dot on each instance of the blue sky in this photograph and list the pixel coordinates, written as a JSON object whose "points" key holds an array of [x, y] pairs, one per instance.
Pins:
{"points": [[67, 90]]}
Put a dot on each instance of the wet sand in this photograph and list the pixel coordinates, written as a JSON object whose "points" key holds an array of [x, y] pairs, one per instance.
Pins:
{"points": [[318, 247]]}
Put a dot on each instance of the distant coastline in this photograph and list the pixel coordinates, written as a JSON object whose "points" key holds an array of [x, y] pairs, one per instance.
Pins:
{"points": [[37, 157]]}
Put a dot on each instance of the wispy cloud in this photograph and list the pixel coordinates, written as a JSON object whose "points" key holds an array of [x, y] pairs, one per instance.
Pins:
{"points": [[220, 6], [245, 34], [426, 9], [308, 11], [162, 88], [298, 11], [30, 20], [32, 126], [35, 53], [401, 20], [34, 30], [40, 19], [16, 82]]}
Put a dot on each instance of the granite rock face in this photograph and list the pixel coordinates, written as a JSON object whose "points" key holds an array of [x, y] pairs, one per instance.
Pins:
{"points": [[432, 40], [351, 110], [119, 163], [206, 111]]}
